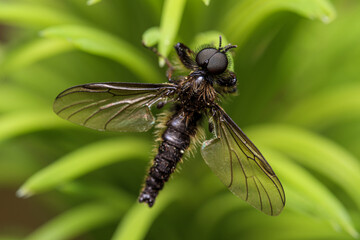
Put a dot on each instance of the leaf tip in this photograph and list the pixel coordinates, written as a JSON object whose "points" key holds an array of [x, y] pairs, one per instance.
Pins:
{"points": [[151, 36], [161, 62], [325, 19], [206, 2], [24, 193], [92, 2]]}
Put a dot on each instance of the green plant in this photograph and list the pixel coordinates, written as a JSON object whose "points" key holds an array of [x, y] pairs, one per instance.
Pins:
{"points": [[298, 101]]}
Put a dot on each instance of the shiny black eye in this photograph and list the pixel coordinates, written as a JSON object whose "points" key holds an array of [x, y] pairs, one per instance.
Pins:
{"points": [[217, 63], [202, 58], [212, 60]]}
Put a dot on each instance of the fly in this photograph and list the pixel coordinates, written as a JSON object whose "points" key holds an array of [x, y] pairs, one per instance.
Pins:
{"points": [[121, 107]]}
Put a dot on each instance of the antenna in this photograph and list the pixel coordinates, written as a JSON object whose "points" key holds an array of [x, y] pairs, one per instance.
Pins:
{"points": [[227, 47]]}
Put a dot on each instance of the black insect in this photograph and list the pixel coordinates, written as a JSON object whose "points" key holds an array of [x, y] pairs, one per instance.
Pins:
{"points": [[230, 154]]}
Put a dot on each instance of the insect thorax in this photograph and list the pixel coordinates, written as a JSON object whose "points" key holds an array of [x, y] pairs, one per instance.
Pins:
{"points": [[196, 92]]}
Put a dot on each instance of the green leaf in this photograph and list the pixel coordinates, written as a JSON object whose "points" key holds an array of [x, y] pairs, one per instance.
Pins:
{"points": [[314, 152], [310, 65], [209, 37], [151, 36], [82, 161], [210, 213], [77, 221], [13, 98], [33, 15], [169, 25], [32, 52], [289, 225], [24, 122], [18, 168], [92, 2], [325, 108], [99, 191], [101, 43], [138, 220], [306, 194], [246, 15]]}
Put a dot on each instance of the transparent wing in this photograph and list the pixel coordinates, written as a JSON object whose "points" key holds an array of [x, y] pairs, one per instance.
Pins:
{"points": [[241, 167], [112, 106]]}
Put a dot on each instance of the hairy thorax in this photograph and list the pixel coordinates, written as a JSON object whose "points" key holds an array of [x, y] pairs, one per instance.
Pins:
{"points": [[196, 93]]}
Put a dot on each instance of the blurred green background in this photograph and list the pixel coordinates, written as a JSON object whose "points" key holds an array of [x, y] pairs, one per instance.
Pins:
{"points": [[298, 68]]}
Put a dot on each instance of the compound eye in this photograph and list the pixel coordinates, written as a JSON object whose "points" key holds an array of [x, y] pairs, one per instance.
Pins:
{"points": [[217, 63], [203, 57]]}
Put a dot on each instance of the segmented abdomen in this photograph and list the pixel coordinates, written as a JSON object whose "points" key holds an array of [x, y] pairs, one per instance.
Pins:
{"points": [[175, 140]]}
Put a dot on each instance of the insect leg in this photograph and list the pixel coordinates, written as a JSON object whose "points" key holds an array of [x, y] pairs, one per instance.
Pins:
{"points": [[211, 127], [170, 69], [184, 54], [227, 83]]}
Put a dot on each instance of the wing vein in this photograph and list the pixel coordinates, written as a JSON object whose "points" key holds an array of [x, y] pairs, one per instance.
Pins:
{"points": [[124, 108], [252, 179], [257, 188], [229, 149], [270, 203], [271, 179], [72, 105], [86, 107], [109, 106]]}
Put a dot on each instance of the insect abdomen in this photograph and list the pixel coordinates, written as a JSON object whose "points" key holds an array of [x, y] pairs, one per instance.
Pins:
{"points": [[175, 140]]}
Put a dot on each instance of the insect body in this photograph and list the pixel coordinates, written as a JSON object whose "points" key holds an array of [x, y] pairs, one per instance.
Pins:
{"points": [[230, 154]]}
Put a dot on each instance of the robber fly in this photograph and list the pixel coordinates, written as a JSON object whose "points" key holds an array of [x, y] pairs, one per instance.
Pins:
{"points": [[230, 154]]}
